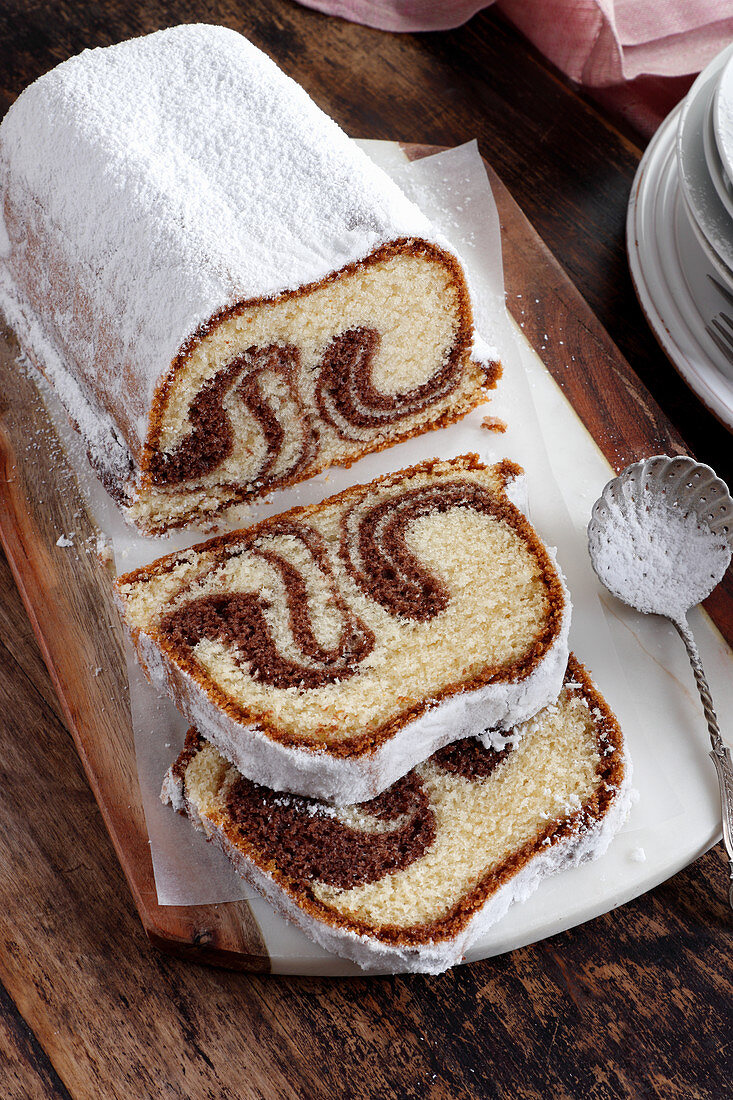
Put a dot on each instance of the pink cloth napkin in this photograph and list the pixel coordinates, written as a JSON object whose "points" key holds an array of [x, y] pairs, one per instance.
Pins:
{"points": [[603, 42], [640, 50], [596, 42]]}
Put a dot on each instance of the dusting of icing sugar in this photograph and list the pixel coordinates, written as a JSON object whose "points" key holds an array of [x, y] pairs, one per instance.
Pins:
{"points": [[175, 174], [106, 449], [5, 247], [660, 559], [483, 352]]}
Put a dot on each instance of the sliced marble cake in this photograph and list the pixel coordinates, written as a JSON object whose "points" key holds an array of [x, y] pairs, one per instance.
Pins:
{"points": [[328, 650], [407, 881]]}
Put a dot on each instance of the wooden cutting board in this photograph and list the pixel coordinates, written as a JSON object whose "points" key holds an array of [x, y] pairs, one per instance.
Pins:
{"points": [[69, 596]]}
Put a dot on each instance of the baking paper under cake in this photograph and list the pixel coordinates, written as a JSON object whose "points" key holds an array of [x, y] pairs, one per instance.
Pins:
{"points": [[329, 649], [407, 881], [226, 293]]}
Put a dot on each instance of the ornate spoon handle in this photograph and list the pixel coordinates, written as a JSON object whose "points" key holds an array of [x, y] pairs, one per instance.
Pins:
{"points": [[721, 755]]}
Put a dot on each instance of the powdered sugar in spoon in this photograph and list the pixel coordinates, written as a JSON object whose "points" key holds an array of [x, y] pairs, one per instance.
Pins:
{"points": [[660, 539]]}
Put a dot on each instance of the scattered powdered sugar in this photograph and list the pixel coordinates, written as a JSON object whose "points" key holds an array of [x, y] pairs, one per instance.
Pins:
{"points": [[304, 805], [637, 855], [63, 541], [5, 247], [659, 558], [483, 352]]}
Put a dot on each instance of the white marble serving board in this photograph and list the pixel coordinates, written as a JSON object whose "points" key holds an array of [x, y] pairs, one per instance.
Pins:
{"points": [[639, 664]]}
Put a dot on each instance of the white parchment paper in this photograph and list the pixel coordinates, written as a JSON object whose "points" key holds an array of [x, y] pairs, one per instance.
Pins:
{"points": [[452, 188]]}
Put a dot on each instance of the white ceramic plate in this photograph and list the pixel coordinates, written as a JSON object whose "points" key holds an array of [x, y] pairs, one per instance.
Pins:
{"points": [[708, 211], [723, 114], [721, 269], [671, 274], [719, 176]]}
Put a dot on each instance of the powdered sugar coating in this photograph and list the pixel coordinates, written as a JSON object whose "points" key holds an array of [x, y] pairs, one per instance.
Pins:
{"points": [[659, 558], [372, 953], [491, 713], [178, 174]]}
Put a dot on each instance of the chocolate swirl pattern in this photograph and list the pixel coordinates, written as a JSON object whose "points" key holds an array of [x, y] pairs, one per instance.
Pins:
{"points": [[470, 759], [265, 384], [347, 398], [375, 550], [314, 643], [264, 381], [327, 850], [240, 620], [404, 877]]}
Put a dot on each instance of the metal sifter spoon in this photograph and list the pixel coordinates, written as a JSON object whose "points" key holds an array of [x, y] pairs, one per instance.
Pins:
{"points": [[660, 539]]}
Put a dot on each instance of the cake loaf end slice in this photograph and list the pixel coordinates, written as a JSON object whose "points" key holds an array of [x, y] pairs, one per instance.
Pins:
{"points": [[225, 291]]}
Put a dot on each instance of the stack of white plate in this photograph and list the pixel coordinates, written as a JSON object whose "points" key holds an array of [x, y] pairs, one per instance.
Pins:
{"points": [[680, 236]]}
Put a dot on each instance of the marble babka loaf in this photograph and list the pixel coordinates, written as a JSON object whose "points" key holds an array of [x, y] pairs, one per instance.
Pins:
{"points": [[329, 649], [407, 881], [226, 293]]}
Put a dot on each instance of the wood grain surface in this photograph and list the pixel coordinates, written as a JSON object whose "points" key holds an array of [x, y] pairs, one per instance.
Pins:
{"points": [[637, 1003], [67, 592]]}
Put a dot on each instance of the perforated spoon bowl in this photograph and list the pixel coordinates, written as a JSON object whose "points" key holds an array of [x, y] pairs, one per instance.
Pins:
{"points": [[660, 539]]}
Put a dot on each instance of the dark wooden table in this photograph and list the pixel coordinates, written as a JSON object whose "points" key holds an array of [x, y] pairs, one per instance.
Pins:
{"points": [[636, 1003]]}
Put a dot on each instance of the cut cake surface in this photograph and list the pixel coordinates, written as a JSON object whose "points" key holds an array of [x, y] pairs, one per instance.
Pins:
{"points": [[226, 293], [408, 881], [329, 649]]}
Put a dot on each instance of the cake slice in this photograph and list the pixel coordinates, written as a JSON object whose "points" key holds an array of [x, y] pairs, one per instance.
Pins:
{"points": [[329, 649], [225, 291], [409, 880]]}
